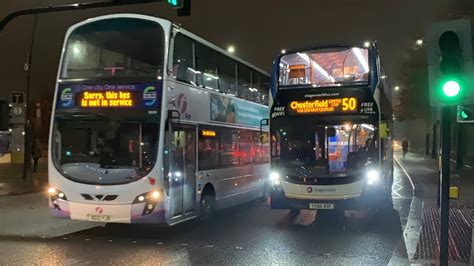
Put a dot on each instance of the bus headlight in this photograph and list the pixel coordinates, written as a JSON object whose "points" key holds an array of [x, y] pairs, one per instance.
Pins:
{"points": [[52, 191], [149, 197], [275, 178], [373, 177], [155, 195], [55, 193]]}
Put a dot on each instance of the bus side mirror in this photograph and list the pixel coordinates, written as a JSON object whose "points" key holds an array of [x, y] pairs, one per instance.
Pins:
{"points": [[331, 132]]}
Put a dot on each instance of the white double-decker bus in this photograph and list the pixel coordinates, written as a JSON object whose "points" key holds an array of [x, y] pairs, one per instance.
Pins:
{"points": [[152, 124]]}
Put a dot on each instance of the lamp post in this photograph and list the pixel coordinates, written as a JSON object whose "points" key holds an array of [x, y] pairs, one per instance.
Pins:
{"points": [[28, 127]]}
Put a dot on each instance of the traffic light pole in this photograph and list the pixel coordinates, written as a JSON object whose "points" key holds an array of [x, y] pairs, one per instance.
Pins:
{"points": [[434, 150], [460, 146], [445, 175]]}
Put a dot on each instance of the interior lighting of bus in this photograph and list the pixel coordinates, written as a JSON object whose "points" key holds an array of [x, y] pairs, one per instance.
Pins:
{"points": [[210, 77], [208, 133], [106, 99], [317, 67], [348, 104], [347, 126], [369, 127], [361, 58], [323, 72]]}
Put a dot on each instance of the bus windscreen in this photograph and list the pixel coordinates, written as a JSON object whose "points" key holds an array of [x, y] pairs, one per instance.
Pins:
{"points": [[114, 48], [325, 68]]}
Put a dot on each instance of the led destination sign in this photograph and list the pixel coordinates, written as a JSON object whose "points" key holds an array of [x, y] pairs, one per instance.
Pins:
{"points": [[208, 133], [109, 96], [331, 105], [102, 99]]}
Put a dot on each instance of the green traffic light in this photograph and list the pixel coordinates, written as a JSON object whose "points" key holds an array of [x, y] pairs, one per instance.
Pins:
{"points": [[173, 2], [451, 88]]}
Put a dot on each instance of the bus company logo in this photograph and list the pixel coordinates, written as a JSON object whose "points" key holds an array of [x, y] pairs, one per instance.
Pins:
{"points": [[99, 210], [309, 189], [66, 97], [149, 96], [182, 103]]}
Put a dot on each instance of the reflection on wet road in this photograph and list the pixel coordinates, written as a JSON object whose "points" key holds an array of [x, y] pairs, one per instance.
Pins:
{"points": [[247, 234]]}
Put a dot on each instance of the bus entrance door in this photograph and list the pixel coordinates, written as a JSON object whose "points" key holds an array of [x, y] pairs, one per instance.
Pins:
{"points": [[182, 171]]}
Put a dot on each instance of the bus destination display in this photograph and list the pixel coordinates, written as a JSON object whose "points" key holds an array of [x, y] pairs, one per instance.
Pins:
{"points": [[107, 99], [318, 106], [111, 96]]}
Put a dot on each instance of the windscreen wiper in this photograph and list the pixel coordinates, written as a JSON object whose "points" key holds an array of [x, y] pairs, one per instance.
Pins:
{"points": [[75, 113]]}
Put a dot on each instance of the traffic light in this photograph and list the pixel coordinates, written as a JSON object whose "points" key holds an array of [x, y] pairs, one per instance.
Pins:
{"points": [[465, 114], [449, 91], [177, 4]]}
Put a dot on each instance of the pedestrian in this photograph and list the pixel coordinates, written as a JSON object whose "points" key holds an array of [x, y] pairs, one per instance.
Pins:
{"points": [[36, 154], [405, 147]]}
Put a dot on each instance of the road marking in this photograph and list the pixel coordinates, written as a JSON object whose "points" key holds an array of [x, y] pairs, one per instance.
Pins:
{"points": [[467, 165], [406, 173], [412, 228]]}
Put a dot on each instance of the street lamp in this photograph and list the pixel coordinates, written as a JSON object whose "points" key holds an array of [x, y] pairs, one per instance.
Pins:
{"points": [[419, 42], [231, 49], [283, 51], [366, 44], [397, 88]]}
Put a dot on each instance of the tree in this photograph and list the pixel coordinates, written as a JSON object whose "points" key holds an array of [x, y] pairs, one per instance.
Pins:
{"points": [[414, 93]]}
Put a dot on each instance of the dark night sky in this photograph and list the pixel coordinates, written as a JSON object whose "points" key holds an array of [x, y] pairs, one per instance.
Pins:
{"points": [[258, 29]]}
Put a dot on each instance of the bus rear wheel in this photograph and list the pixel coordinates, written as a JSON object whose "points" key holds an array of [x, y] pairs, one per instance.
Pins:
{"points": [[207, 206]]}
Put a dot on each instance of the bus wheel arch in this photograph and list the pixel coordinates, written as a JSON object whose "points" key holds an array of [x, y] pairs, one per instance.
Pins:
{"points": [[207, 203]]}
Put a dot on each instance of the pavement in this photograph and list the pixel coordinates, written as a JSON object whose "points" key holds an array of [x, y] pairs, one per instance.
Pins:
{"points": [[248, 234], [424, 174], [11, 178]]}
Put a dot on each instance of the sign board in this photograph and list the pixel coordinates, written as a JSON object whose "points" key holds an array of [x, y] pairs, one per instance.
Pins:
{"points": [[465, 113], [330, 105], [236, 111], [17, 113], [356, 101], [109, 96], [17, 110], [462, 27], [17, 97]]}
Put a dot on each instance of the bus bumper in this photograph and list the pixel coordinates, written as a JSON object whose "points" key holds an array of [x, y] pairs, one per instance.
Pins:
{"points": [[126, 213], [368, 200]]}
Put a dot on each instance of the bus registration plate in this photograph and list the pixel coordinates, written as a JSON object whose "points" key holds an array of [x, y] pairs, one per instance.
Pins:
{"points": [[321, 206], [98, 218]]}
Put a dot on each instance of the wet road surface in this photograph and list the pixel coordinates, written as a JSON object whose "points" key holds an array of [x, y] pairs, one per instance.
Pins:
{"points": [[248, 234]]}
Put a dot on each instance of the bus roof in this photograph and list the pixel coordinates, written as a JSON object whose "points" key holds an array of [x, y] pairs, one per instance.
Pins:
{"points": [[328, 46]]}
